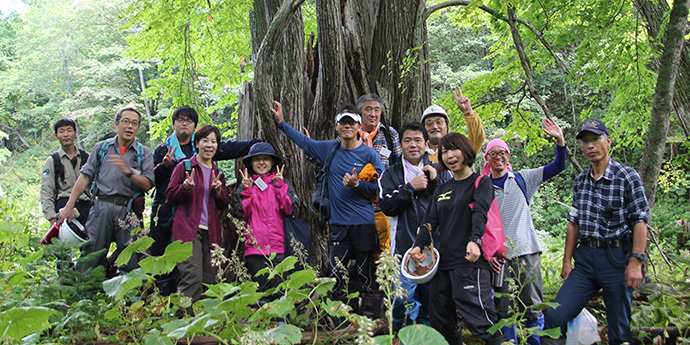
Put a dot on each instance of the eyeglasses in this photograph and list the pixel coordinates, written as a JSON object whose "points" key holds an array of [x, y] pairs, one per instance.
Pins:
{"points": [[590, 140], [127, 122], [184, 121], [431, 122], [494, 154]]}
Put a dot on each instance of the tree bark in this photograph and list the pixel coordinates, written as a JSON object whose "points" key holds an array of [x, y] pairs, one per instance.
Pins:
{"points": [[662, 108], [654, 13]]}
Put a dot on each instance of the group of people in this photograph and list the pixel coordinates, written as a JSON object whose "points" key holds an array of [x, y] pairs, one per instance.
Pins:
{"points": [[383, 185]]}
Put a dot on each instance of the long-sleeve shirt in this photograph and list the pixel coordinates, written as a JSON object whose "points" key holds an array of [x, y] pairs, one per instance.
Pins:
{"points": [[521, 235], [51, 192], [349, 205], [475, 133], [190, 204], [264, 211], [454, 223]]}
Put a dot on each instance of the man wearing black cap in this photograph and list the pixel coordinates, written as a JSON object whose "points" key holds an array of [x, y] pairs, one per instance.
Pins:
{"points": [[606, 235]]}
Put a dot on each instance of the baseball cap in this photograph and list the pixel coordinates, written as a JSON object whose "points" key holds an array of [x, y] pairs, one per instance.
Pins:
{"points": [[434, 110], [592, 125], [355, 117]]}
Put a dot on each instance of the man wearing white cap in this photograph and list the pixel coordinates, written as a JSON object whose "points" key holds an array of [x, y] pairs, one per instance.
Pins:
{"points": [[435, 120], [352, 227]]}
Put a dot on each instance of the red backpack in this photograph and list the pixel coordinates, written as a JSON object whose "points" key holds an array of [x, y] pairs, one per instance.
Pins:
{"points": [[494, 240]]}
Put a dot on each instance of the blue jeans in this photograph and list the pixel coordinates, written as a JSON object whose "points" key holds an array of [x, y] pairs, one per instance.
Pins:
{"points": [[418, 300], [595, 269]]}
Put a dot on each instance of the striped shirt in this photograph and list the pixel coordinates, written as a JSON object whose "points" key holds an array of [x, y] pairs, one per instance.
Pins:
{"points": [[609, 207]]}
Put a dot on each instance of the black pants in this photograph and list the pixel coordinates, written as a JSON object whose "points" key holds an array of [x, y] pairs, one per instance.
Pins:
{"points": [[255, 263], [466, 291], [349, 242], [161, 235]]}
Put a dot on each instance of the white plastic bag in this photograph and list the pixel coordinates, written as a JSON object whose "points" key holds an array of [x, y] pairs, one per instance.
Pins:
{"points": [[583, 329]]}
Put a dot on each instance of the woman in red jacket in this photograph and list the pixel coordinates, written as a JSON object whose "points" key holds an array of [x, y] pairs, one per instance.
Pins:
{"points": [[199, 195]]}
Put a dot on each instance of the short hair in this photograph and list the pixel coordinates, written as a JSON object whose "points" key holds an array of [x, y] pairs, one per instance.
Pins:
{"points": [[413, 126], [119, 113], [456, 141], [187, 111], [65, 122], [205, 131], [369, 97]]}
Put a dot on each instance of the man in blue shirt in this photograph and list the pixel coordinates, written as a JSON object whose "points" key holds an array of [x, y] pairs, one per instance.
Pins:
{"points": [[352, 227], [606, 235]]}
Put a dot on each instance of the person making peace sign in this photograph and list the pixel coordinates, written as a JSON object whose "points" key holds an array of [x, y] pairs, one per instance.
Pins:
{"points": [[266, 199], [199, 195]]}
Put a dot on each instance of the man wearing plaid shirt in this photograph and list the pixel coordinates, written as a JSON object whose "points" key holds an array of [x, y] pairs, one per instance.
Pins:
{"points": [[606, 235], [386, 142]]}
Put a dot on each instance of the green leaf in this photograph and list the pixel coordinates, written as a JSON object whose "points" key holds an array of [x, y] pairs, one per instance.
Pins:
{"points": [[198, 325], [221, 290], [420, 335], [175, 253], [17, 278], [154, 337], [19, 322], [112, 314], [138, 246], [385, 339], [284, 335], [118, 286], [300, 278], [553, 332]]}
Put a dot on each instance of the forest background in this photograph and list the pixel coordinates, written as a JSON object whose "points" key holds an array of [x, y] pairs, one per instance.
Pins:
{"points": [[517, 61]]}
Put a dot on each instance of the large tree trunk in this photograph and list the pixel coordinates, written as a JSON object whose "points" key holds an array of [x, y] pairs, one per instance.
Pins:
{"points": [[662, 107], [356, 39], [654, 13]]}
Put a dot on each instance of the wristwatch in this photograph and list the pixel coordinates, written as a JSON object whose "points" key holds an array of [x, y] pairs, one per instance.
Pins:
{"points": [[639, 256], [131, 172], [477, 240]]}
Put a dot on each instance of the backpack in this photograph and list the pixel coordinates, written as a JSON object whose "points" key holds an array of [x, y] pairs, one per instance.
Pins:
{"points": [[59, 170], [103, 150], [319, 199], [166, 211], [494, 239]]}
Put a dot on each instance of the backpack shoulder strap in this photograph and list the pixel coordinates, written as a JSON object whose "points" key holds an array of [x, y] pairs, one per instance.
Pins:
{"points": [[58, 170], [102, 151], [521, 182], [393, 158], [83, 156], [327, 164]]}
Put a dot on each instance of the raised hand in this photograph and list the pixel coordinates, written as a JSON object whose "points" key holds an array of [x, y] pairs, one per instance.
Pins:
{"points": [[554, 130], [279, 173], [277, 111], [188, 183], [169, 158], [216, 182], [246, 179], [351, 180], [462, 101]]}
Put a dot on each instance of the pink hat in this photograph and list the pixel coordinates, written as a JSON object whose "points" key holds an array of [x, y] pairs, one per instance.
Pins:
{"points": [[494, 143]]}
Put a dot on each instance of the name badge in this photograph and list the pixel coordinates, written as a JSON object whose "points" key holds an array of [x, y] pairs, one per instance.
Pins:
{"points": [[261, 184], [385, 152]]}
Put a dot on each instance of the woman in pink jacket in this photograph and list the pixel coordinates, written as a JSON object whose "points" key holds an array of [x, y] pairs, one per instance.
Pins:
{"points": [[199, 195], [265, 203]]}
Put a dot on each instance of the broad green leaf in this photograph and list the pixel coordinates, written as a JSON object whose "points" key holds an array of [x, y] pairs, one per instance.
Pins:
{"points": [[118, 286], [138, 246], [175, 253], [284, 335], [384, 339], [196, 326], [221, 290], [420, 335], [300, 278], [19, 322], [154, 337], [17, 278]]}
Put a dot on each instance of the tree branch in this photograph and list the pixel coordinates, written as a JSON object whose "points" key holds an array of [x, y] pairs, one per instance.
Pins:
{"points": [[529, 76], [443, 5]]}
